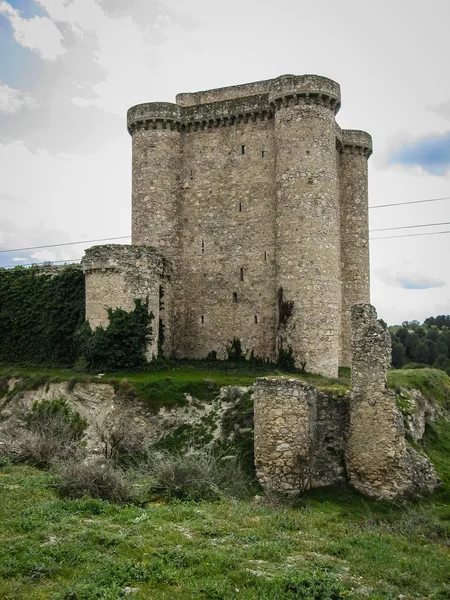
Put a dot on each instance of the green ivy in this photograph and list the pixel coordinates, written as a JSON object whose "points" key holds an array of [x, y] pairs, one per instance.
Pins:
{"points": [[122, 345], [39, 313]]}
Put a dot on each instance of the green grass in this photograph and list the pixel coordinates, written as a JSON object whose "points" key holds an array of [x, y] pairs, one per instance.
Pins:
{"points": [[333, 545], [167, 387], [433, 383]]}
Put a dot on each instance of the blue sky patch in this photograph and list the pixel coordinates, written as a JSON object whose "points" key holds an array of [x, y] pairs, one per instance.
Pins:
{"points": [[19, 67], [431, 153], [28, 8]]}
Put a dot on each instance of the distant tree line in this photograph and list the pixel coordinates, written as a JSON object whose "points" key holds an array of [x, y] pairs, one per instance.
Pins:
{"points": [[427, 344]]}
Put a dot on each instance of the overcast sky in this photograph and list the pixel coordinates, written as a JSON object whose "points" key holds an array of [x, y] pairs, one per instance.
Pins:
{"points": [[69, 70]]}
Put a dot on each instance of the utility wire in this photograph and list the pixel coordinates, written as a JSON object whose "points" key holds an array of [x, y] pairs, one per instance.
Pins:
{"points": [[123, 237], [391, 237], [388, 237], [411, 202], [411, 227]]}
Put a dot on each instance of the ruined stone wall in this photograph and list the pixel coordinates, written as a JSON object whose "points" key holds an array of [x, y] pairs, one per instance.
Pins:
{"points": [[355, 269], [379, 462], [306, 438], [239, 187], [116, 275], [299, 435]]}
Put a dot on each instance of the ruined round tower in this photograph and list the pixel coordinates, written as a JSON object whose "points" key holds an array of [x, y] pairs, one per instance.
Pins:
{"points": [[256, 201]]}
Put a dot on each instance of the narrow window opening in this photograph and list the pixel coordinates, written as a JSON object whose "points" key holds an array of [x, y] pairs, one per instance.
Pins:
{"points": [[203, 245], [265, 254], [192, 174], [203, 319], [240, 206], [242, 274], [263, 153], [256, 318], [235, 298], [243, 149]]}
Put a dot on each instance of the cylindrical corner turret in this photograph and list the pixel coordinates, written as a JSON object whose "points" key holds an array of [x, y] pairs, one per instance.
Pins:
{"points": [[355, 270], [308, 220], [154, 128], [116, 275]]}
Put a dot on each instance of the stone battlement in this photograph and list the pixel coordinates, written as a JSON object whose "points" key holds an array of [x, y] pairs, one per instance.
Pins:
{"points": [[230, 105]]}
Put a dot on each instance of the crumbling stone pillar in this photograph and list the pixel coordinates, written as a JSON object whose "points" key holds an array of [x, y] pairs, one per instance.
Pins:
{"points": [[379, 462]]}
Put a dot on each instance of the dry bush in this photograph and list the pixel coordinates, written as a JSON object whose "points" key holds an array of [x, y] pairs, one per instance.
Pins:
{"points": [[96, 478], [196, 474], [121, 443], [51, 431]]}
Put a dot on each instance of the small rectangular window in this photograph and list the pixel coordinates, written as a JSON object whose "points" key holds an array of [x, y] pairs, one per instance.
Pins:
{"points": [[263, 153], [242, 274], [240, 206], [243, 149], [256, 318], [202, 319], [192, 174], [265, 255], [235, 298], [203, 245]]}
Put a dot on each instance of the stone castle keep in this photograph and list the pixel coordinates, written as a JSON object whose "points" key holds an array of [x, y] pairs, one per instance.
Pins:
{"points": [[249, 220]]}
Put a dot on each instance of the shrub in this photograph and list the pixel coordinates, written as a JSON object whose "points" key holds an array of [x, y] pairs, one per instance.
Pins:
{"points": [[235, 352], [196, 474], [96, 478], [285, 359], [122, 345], [52, 432]]}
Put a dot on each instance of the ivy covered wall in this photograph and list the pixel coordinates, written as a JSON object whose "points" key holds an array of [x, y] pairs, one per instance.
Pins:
{"points": [[40, 311]]}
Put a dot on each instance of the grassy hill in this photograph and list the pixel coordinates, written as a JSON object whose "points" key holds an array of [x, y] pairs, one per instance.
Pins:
{"points": [[329, 545]]}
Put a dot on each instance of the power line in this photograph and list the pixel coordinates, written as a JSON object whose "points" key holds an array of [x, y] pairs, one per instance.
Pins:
{"points": [[411, 202], [411, 227], [42, 263], [388, 237], [391, 237], [123, 237]]}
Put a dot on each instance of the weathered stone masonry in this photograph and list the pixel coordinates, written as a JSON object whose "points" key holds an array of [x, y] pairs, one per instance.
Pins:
{"points": [[331, 438], [249, 190]]}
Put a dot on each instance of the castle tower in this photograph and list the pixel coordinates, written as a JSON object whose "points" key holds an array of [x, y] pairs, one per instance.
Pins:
{"points": [[258, 202], [308, 218], [355, 150]]}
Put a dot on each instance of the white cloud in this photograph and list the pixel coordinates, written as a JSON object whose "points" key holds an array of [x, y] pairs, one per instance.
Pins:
{"points": [[19, 258], [409, 281], [43, 255], [40, 34], [12, 101]]}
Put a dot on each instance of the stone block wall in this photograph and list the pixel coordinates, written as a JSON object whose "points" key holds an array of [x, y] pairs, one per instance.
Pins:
{"points": [[299, 435]]}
